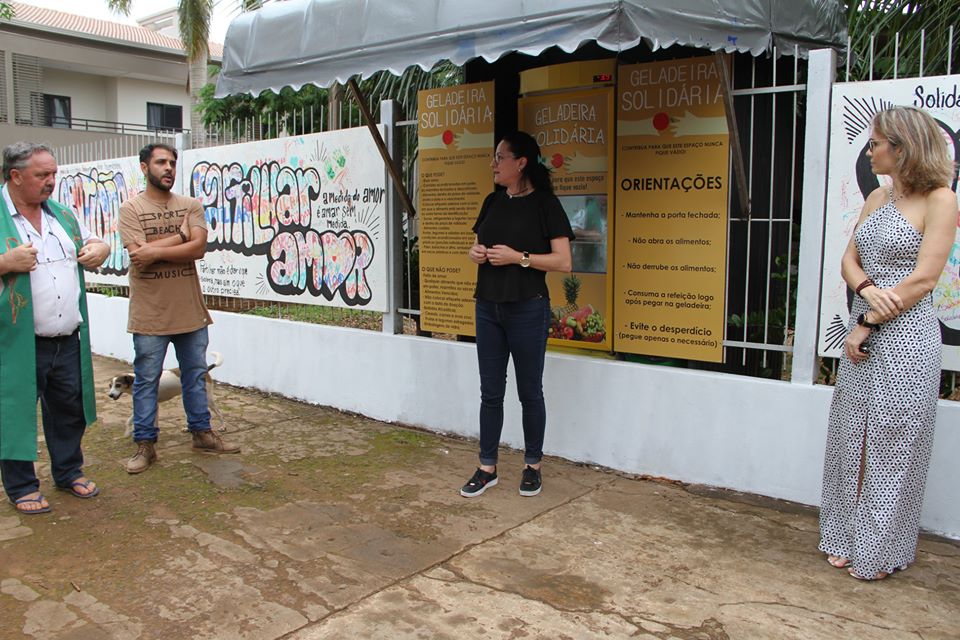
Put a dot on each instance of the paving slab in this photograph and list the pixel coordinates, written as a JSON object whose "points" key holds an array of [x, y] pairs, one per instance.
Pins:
{"points": [[332, 525]]}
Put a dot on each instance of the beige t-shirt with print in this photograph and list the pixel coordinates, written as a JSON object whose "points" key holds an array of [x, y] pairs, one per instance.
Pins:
{"points": [[165, 297]]}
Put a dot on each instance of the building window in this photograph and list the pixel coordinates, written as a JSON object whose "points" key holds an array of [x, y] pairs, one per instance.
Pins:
{"points": [[164, 116], [56, 110]]}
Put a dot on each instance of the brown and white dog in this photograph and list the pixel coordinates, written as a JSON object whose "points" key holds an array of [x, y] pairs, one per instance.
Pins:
{"points": [[169, 388]]}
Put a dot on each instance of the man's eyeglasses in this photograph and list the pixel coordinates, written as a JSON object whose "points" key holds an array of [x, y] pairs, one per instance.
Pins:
{"points": [[499, 157], [47, 258]]}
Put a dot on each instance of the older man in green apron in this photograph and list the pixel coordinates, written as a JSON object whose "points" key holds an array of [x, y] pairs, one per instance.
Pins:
{"points": [[44, 338]]}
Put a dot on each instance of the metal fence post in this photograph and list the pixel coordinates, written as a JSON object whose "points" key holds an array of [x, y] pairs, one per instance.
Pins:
{"points": [[392, 320], [182, 142], [821, 74]]}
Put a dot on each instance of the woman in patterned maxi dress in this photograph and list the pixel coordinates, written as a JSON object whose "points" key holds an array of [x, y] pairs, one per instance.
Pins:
{"points": [[884, 405]]}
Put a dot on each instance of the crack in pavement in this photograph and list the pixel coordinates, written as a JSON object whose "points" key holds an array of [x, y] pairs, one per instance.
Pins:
{"points": [[513, 592], [693, 586], [670, 631], [439, 564], [827, 614]]}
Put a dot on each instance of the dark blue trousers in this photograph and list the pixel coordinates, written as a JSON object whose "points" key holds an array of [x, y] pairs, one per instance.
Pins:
{"points": [[60, 391], [517, 329]]}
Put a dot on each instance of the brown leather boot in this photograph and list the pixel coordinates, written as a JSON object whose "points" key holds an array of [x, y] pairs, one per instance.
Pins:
{"points": [[145, 456], [209, 441]]}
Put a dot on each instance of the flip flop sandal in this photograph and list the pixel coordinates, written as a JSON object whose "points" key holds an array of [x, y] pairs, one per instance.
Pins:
{"points": [[72, 489], [838, 562], [30, 512]]}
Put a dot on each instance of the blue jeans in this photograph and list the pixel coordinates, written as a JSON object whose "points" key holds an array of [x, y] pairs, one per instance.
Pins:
{"points": [[149, 353], [518, 329], [60, 391]]}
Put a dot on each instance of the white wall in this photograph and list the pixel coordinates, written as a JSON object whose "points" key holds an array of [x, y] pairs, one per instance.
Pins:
{"points": [[59, 137], [759, 436], [110, 97], [133, 95], [88, 93]]}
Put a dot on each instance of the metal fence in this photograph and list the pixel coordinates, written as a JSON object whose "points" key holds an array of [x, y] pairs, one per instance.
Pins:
{"points": [[119, 146], [761, 251], [762, 238], [769, 98], [904, 56], [768, 94]]}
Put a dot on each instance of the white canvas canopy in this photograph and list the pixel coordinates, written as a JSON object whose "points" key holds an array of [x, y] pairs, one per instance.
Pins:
{"points": [[318, 42]]}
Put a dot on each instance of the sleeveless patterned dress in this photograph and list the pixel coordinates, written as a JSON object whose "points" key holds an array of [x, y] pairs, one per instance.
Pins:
{"points": [[883, 415]]}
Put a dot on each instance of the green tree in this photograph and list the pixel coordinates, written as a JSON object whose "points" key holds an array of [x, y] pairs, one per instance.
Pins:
{"points": [[241, 110], [880, 21], [194, 21], [6, 11]]}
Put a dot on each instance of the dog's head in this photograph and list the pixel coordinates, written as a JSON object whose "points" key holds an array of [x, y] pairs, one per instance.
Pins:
{"points": [[120, 385]]}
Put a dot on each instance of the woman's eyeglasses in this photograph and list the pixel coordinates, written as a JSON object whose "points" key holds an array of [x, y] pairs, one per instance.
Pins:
{"points": [[499, 157], [874, 143]]}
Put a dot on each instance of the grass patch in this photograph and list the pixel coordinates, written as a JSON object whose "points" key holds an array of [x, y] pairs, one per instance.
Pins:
{"points": [[316, 314], [335, 475]]}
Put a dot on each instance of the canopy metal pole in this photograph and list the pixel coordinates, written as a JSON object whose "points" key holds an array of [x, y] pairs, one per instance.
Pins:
{"points": [[381, 145], [739, 169]]}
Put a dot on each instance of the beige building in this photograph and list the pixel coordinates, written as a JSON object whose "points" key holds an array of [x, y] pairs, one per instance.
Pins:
{"points": [[67, 79]]}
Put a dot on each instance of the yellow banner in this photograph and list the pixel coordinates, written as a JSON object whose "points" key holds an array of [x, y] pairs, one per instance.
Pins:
{"points": [[455, 129], [671, 214], [574, 133]]}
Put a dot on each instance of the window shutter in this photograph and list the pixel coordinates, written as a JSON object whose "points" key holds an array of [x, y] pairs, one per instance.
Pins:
{"points": [[4, 116], [27, 94]]}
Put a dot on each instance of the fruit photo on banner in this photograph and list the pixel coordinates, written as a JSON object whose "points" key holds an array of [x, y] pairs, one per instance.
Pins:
{"points": [[578, 318], [570, 321]]}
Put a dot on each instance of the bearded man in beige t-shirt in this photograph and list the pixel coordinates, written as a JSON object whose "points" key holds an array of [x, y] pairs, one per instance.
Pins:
{"points": [[164, 233]]}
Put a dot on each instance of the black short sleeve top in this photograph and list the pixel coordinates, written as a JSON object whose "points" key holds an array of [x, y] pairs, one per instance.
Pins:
{"points": [[526, 223]]}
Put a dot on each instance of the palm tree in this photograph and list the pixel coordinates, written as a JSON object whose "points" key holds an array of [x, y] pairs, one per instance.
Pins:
{"points": [[195, 35]]}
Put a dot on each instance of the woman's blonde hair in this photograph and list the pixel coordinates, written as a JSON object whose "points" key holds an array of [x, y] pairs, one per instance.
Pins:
{"points": [[923, 163]]}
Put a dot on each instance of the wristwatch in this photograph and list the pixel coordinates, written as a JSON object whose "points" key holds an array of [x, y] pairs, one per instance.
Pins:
{"points": [[862, 321], [525, 260]]}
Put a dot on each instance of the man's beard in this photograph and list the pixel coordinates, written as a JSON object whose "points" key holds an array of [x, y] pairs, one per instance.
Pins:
{"points": [[158, 182]]}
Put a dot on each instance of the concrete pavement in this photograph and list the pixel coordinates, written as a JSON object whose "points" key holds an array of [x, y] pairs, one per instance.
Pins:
{"points": [[331, 525]]}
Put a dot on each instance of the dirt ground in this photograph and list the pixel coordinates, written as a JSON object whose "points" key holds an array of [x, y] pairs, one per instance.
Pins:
{"points": [[331, 525]]}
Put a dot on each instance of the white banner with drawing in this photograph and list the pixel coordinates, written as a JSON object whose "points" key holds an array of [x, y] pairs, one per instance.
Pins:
{"points": [[299, 219], [850, 180], [95, 191]]}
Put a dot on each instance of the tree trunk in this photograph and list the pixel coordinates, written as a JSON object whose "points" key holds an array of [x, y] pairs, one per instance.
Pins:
{"points": [[334, 102], [198, 78]]}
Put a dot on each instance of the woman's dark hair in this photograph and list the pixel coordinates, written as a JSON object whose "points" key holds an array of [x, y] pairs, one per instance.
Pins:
{"points": [[522, 145]]}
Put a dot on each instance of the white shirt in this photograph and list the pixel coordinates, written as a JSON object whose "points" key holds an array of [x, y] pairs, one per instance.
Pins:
{"points": [[54, 285]]}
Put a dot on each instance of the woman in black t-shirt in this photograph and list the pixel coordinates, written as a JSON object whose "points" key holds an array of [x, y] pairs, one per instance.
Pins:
{"points": [[522, 232]]}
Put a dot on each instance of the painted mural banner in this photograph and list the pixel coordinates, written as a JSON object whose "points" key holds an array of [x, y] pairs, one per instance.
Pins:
{"points": [[850, 181], [299, 219], [95, 191], [455, 135], [573, 129], [671, 217]]}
